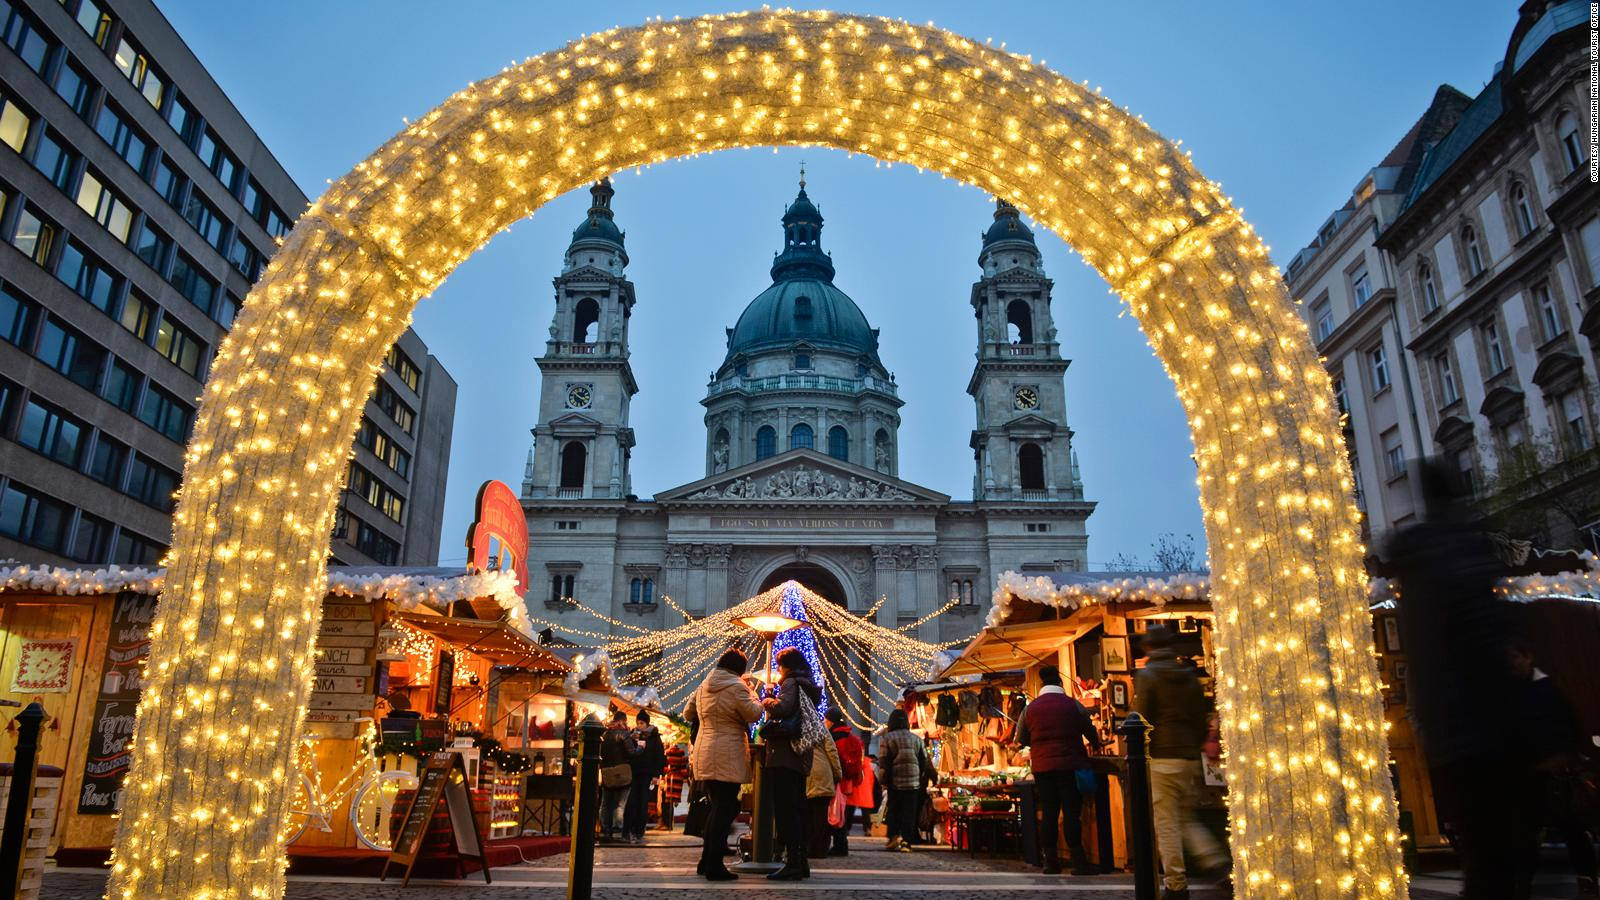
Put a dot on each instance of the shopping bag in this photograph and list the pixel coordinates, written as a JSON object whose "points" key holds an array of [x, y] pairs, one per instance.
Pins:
{"points": [[837, 808]]}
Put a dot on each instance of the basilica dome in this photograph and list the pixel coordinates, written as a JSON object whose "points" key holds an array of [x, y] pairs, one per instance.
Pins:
{"points": [[802, 304]]}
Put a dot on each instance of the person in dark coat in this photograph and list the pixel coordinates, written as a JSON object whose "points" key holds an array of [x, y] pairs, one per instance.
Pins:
{"points": [[901, 761], [786, 770], [1556, 740], [1168, 694], [1055, 726], [851, 757], [1454, 633], [647, 767], [617, 748]]}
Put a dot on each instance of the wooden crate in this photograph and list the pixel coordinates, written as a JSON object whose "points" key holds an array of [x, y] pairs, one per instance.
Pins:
{"points": [[41, 823]]}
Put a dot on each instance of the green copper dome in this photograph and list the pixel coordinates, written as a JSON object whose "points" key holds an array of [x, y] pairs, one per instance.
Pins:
{"points": [[1007, 226], [802, 304], [600, 225]]}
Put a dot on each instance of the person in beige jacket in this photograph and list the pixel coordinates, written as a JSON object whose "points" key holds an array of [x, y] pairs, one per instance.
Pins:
{"points": [[721, 710], [826, 770]]}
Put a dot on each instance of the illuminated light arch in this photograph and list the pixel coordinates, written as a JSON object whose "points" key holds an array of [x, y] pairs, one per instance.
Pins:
{"points": [[1312, 810]]}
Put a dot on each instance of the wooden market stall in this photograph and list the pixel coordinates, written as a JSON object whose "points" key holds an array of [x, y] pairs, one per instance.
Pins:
{"points": [[408, 661], [1088, 625]]}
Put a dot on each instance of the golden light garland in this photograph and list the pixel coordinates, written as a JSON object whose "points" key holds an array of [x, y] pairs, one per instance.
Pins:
{"points": [[1312, 811]]}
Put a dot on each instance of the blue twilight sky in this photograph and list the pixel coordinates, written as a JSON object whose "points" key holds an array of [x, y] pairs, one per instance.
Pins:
{"points": [[1285, 104]]}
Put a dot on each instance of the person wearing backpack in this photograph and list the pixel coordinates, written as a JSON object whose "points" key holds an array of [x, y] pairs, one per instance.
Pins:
{"points": [[787, 766]]}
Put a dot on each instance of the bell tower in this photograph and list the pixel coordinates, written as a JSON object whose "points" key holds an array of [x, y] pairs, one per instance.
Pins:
{"points": [[582, 442], [1022, 447]]}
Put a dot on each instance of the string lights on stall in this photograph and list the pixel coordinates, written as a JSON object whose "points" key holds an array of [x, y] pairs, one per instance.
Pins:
{"points": [[1312, 810]]}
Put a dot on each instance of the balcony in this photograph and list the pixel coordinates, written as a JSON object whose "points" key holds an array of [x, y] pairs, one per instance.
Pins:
{"points": [[800, 382], [1034, 494], [1020, 349], [569, 493]]}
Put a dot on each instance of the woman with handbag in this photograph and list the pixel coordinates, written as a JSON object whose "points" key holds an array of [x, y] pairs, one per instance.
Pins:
{"points": [[721, 710], [617, 749], [791, 718]]}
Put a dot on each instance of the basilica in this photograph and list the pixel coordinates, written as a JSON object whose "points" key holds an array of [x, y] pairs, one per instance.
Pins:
{"points": [[802, 451]]}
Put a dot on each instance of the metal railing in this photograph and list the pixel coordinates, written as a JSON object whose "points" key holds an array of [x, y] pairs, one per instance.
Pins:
{"points": [[805, 382]]}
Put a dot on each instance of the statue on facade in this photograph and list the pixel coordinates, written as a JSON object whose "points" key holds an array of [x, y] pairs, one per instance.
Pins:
{"points": [[719, 457], [880, 456]]}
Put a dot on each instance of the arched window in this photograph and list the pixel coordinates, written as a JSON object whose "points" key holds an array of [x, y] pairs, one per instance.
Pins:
{"points": [[766, 442], [966, 592], [801, 437], [1019, 318], [635, 589], [649, 590], [1521, 210], [1469, 242], [802, 359], [573, 459], [839, 443], [1571, 137], [586, 322], [1030, 467], [1427, 287]]}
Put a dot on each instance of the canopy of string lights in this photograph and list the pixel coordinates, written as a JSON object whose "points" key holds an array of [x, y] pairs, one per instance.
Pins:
{"points": [[858, 664]]}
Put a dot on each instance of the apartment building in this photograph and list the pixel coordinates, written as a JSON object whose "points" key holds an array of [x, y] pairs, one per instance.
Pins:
{"points": [[137, 207]]}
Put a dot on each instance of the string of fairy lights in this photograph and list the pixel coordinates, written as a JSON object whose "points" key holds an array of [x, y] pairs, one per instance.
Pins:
{"points": [[860, 662], [1311, 806]]}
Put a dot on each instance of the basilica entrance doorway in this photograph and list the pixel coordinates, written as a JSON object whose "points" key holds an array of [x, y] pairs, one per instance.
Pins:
{"points": [[813, 576]]}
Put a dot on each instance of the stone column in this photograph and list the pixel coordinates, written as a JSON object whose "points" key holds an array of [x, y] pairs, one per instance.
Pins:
{"points": [[675, 580], [929, 597], [717, 556], [885, 582]]}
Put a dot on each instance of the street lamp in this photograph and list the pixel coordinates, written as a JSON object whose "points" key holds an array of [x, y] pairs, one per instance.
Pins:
{"points": [[767, 626]]}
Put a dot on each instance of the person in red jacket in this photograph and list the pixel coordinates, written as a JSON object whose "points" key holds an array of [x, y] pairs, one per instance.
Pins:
{"points": [[1055, 726], [851, 754]]}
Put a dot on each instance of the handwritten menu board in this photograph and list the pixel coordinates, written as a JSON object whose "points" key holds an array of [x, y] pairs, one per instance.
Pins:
{"points": [[442, 777], [343, 688], [444, 682], [111, 733]]}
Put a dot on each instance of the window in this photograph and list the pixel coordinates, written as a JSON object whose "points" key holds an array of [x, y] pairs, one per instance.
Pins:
{"points": [[166, 414], [1037, 527], [1361, 286], [33, 518], [1030, 467], [839, 443], [91, 543], [122, 386], [183, 119], [94, 21], [568, 525], [562, 589], [1574, 421], [136, 66], [1378, 365], [370, 436], [1394, 455], [642, 591], [198, 288], [276, 223], [133, 550], [70, 353], [224, 166], [1521, 210], [1467, 465], [52, 433], [14, 125], [1019, 321], [200, 213], [1512, 435], [18, 317], [151, 483], [227, 309], [107, 462], [390, 402], [1448, 392], [122, 137], [1549, 315], [245, 258], [138, 312], [152, 246], [405, 368], [1340, 398], [1323, 314], [1494, 354], [180, 346], [1427, 287], [371, 489], [168, 183], [74, 87], [252, 197], [23, 35], [112, 212], [88, 276], [801, 437], [1589, 236], [1474, 253], [384, 550], [802, 360], [34, 236], [574, 458], [53, 158], [766, 442], [1572, 145]]}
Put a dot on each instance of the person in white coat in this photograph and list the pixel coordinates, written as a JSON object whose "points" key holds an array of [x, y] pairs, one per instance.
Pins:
{"points": [[722, 710]]}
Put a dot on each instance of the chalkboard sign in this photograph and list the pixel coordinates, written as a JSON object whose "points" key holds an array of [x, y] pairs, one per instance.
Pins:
{"points": [[442, 776], [111, 730], [443, 682]]}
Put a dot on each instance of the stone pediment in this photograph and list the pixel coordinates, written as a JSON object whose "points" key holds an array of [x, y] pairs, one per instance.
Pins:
{"points": [[574, 422], [802, 476], [1030, 422]]}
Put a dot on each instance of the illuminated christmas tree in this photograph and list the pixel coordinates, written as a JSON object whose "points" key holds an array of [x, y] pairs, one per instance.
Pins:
{"points": [[795, 608]]}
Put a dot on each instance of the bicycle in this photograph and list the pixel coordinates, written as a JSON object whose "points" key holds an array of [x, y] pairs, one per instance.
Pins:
{"points": [[370, 791]]}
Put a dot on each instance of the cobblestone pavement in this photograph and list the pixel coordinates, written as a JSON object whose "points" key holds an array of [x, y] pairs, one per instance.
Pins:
{"points": [[665, 865]]}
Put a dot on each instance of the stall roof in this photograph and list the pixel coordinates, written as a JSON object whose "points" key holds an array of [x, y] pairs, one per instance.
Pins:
{"points": [[493, 639], [1006, 648], [1027, 597]]}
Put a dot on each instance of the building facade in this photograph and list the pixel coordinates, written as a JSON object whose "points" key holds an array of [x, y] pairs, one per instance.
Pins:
{"points": [[136, 208], [802, 450], [1454, 296]]}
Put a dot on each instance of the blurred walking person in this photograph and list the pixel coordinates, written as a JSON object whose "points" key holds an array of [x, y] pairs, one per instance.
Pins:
{"points": [[1054, 727], [672, 779], [901, 761], [852, 755], [722, 710], [647, 765], [1559, 787]]}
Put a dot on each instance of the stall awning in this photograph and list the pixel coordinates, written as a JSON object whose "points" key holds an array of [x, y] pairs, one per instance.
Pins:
{"points": [[1010, 647], [494, 640]]}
